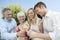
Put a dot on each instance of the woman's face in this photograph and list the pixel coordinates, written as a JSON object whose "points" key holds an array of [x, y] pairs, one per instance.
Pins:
{"points": [[31, 14], [21, 19]]}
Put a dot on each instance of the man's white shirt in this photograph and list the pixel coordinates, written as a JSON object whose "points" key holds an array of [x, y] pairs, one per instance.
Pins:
{"points": [[51, 24]]}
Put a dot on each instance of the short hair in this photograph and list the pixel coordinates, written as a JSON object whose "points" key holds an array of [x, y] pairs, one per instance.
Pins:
{"points": [[6, 9], [39, 4], [21, 13]]}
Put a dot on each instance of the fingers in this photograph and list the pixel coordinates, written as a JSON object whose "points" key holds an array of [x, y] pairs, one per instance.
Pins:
{"points": [[20, 33], [31, 34], [28, 33]]}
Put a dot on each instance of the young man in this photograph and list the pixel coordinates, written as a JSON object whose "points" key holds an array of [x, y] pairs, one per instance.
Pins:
{"points": [[7, 31], [51, 23]]}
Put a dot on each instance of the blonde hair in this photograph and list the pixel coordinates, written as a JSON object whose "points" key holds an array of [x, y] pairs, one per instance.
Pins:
{"points": [[35, 17], [20, 14]]}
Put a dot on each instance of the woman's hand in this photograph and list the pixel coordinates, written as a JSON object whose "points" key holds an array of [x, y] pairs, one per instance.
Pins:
{"points": [[21, 33]]}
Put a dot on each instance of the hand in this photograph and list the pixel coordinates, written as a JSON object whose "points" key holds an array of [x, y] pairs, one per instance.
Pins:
{"points": [[31, 34], [21, 33]]}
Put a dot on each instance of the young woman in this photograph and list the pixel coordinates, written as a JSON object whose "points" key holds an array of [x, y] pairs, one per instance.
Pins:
{"points": [[35, 23], [22, 27]]}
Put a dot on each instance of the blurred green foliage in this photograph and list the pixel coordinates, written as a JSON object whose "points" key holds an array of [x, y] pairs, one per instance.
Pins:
{"points": [[15, 9]]}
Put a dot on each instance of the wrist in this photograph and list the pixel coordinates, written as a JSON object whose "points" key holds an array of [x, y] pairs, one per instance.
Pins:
{"points": [[17, 34]]}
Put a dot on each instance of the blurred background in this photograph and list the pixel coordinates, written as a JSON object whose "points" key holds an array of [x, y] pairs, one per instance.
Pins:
{"points": [[24, 5]]}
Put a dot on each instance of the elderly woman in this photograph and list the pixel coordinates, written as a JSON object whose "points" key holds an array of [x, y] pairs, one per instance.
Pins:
{"points": [[35, 23], [22, 27]]}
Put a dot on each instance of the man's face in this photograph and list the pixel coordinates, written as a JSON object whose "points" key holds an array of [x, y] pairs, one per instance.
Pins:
{"points": [[8, 14], [40, 10]]}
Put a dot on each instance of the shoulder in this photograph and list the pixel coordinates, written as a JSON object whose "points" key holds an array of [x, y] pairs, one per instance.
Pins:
{"points": [[3, 24], [54, 16], [39, 19], [13, 20], [54, 13]]}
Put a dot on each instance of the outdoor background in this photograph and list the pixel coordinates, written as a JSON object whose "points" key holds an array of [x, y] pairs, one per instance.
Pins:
{"points": [[24, 5]]}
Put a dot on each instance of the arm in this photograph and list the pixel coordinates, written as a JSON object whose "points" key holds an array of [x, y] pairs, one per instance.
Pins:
{"points": [[33, 34], [56, 27], [41, 27], [44, 36], [16, 29], [6, 35]]}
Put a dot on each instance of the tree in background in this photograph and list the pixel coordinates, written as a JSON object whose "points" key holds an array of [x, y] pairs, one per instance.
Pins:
{"points": [[15, 9]]}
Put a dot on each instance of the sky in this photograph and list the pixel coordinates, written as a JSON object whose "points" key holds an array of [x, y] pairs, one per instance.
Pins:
{"points": [[26, 4]]}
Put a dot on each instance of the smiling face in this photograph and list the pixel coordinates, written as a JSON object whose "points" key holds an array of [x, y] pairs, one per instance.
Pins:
{"points": [[21, 19], [40, 10], [8, 14], [31, 14]]}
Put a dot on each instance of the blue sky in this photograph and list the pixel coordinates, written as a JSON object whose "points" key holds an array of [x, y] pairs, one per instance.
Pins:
{"points": [[26, 4]]}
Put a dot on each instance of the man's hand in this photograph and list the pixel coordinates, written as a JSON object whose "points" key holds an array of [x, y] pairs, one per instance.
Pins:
{"points": [[31, 34]]}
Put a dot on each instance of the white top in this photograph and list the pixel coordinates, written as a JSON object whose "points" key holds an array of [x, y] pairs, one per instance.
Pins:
{"points": [[34, 27], [51, 23]]}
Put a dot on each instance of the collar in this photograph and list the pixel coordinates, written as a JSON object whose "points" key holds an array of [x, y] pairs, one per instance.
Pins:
{"points": [[6, 20]]}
